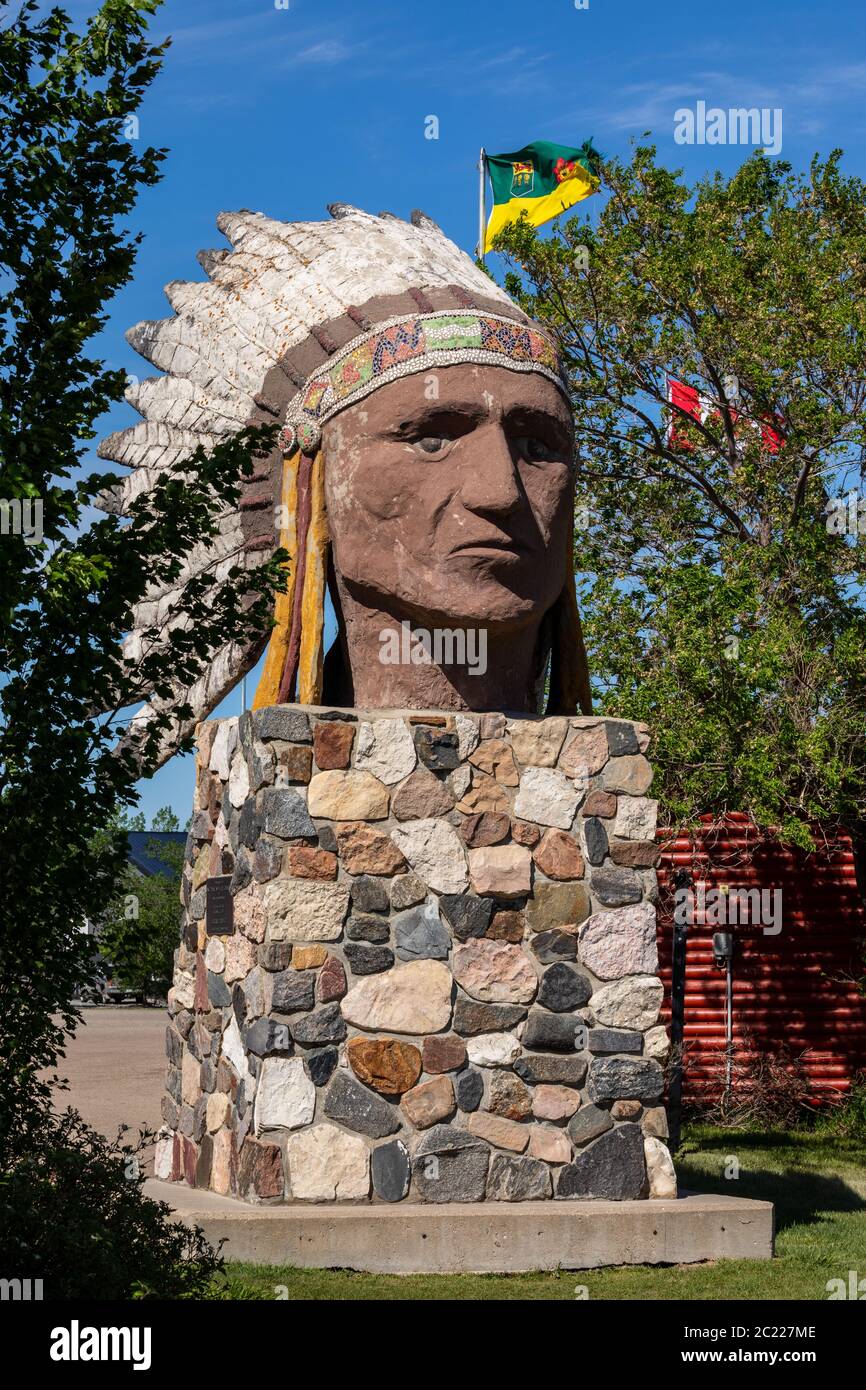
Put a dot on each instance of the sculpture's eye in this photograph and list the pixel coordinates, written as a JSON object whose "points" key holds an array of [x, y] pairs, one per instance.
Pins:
{"points": [[431, 444], [534, 449]]}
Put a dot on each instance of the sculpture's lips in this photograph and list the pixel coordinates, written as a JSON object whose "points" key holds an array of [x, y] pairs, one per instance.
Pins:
{"points": [[495, 545]]}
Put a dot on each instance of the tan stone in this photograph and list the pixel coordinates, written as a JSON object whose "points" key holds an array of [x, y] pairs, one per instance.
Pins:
{"points": [[347, 796], [494, 972], [307, 861], [501, 871], [332, 745], [218, 1110], [422, 795], [190, 1074], [294, 764], [632, 774], [435, 853], [536, 743], [301, 909], [507, 1096], [201, 867], [413, 998], [585, 752], [558, 856], [555, 1102], [660, 1168], [308, 957], [221, 1162], [326, 1165], [556, 905], [495, 757], [551, 1145], [626, 1109], [430, 1103], [504, 1134], [387, 1064], [655, 1122], [241, 956], [250, 916], [485, 794], [364, 850]]}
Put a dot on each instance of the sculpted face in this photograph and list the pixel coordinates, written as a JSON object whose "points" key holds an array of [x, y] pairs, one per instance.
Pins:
{"points": [[457, 508]]}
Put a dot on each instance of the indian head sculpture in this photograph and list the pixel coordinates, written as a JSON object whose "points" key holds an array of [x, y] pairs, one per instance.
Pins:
{"points": [[423, 475]]}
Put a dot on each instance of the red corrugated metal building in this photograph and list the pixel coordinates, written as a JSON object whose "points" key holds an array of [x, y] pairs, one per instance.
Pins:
{"points": [[796, 990]]}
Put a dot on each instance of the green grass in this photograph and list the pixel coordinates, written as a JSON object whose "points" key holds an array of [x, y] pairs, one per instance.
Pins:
{"points": [[816, 1181]]}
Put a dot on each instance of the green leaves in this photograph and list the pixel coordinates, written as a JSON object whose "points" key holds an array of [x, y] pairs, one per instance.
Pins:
{"points": [[716, 603]]}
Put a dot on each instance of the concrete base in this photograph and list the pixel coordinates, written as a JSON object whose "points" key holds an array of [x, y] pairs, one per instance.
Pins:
{"points": [[479, 1238]]}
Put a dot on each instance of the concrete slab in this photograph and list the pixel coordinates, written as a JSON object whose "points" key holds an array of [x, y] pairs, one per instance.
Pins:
{"points": [[482, 1237]]}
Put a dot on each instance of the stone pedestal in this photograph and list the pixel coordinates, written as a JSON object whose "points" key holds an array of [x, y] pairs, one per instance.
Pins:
{"points": [[418, 962]]}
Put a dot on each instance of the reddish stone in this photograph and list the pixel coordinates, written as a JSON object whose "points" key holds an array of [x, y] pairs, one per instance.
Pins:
{"points": [[331, 983], [600, 804], [506, 925], [388, 1065], [261, 1169], [307, 861], [332, 745], [364, 850], [558, 856], [430, 1103], [635, 854], [201, 1003], [422, 795], [296, 763], [494, 756], [485, 828], [190, 1160], [525, 833], [215, 864], [177, 1158], [443, 1053], [626, 1109]]}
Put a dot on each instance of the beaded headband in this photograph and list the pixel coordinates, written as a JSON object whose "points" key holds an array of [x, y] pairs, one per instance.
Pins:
{"points": [[403, 346]]}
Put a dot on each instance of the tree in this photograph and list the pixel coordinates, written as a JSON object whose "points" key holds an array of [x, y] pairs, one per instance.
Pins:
{"points": [[141, 926], [721, 582], [68, 179]]}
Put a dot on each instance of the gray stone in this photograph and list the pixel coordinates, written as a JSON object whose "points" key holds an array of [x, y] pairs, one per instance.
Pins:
{"points": [[293, 991], [555, 1032], [198, 904], [285, 814], [450, 1165], [368, 960], [540, 1070], [275, 955], [369, 894], [173, 1047], [605, 1040], [292, 726], [325, 1025], [466, 914], [621, 738], [406, 891], [437, 749], [550, 946], [242, 873], [613, 1167], [266, 1036], [616, 887], [589, 1122], [390, 1169], [513, 1179], [267, 861], [420, 935], [469, 1087], [353, 1105], [327, 839], [321, 1064], [472, 1017], [563, 989], [366, 926], [595, 839], [249, 825], [625, 1078], [218, 991]]}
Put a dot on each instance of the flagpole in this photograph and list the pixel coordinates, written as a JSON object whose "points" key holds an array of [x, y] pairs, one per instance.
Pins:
{"points": [[482, 193]]}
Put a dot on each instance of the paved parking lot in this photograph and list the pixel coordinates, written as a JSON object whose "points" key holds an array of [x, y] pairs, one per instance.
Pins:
{"points": [[115, 1066]]}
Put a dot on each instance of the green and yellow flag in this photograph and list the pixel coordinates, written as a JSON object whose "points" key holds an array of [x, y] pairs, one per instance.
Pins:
{"points": [[541, 180]]}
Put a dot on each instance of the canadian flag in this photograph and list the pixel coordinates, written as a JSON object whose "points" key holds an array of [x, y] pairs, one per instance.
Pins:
{"points": [[700, 407]]}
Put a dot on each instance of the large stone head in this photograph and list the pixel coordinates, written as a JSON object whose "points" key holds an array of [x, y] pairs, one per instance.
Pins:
{"points": [[424, 473]]}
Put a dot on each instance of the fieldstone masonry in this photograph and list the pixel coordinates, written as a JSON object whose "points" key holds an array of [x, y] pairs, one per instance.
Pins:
{"points": [[441, 984]]}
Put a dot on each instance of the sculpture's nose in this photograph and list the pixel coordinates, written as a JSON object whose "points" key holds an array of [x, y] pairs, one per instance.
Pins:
{"points": [[490, 484]]}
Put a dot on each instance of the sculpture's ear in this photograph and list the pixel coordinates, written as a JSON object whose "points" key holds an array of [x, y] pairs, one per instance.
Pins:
{"points": [[570, 691]]}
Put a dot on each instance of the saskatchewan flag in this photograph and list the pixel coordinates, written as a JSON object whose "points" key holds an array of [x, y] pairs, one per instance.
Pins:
{"points": [[541, 180]]}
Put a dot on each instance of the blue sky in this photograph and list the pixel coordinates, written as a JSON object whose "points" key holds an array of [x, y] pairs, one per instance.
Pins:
{"points": [[285, 110]]}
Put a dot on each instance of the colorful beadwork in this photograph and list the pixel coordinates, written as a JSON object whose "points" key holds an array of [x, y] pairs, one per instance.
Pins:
{"points": [[403, 346]]}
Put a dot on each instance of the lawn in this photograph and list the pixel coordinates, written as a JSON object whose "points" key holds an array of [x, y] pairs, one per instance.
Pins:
{"points": [[818, 1186]]}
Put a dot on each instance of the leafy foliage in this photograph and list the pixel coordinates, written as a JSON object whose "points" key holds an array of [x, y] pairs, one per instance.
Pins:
{"points": [[720, 604]]}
